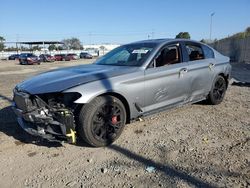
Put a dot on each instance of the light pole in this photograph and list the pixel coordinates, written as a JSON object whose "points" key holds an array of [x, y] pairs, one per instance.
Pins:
{"points": [[211, 22]]}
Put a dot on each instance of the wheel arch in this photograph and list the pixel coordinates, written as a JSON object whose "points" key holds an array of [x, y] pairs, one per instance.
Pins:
{"points": [[225, 76]]}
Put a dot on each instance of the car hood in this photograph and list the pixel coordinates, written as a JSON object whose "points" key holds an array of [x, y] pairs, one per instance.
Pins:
{"points": [[65, 78]]}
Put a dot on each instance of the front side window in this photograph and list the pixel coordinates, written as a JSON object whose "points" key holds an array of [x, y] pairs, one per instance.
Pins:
{"points": [[127, 55], [168, 55], [194, 52]]}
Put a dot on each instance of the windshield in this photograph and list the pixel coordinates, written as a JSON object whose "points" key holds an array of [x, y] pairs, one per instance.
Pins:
{"points": [[127, 55]]}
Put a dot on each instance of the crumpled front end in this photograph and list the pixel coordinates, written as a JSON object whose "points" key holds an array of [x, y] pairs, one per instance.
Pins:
{"points": [[50, 115]]}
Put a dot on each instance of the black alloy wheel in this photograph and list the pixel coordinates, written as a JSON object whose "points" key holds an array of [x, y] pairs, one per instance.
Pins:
{"points": [[218, 91], [101, 121]]}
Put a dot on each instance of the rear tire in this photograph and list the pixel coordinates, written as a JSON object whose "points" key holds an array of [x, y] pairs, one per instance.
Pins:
{"points": [[101, 121], [217, 93]]}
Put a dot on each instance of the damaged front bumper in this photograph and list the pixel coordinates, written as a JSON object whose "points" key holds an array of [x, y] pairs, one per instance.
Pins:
{"points": [[39, 119]]}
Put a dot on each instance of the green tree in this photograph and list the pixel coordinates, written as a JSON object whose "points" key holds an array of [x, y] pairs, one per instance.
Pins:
{"points": [[72, 43], [103, 48], [11, 48], [183, 35], [60, 48], [23, 48], [52, 47], [2, 43], [203, 40], [248, 30], [34, 48]]}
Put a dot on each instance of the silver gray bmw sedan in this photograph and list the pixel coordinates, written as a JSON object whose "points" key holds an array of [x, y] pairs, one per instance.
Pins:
{"points": [[95, 101]]}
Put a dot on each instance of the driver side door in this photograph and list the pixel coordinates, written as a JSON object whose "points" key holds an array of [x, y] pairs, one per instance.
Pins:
{"points": [[167, 81]]}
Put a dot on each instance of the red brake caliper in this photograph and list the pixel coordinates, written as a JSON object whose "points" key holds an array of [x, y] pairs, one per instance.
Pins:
{"points": [[114, 120]]}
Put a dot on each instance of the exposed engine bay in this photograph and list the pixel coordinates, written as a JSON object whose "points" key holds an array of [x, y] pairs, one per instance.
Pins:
{"points": [[52, 114]]}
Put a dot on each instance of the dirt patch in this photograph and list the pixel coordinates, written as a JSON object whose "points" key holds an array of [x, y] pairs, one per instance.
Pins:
{"points": [[19, 143], [138, 131], [31, 154], [24, 71]]}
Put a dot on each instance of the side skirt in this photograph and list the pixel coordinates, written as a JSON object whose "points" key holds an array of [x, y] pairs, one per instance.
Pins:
{"points": [[166, 108]]}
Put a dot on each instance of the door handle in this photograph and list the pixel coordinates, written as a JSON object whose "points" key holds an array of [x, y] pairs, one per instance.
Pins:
{"points": [[211, 65], [182, 72]]}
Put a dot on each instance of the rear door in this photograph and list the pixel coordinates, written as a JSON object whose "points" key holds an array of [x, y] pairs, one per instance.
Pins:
{"points": [[166, 79], [200, 70]]}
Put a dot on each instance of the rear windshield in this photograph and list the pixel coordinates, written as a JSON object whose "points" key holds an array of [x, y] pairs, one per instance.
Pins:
{"points": [[26, 55]]}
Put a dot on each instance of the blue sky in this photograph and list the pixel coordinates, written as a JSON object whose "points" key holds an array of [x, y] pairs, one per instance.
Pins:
{"points": [[117, 21]]}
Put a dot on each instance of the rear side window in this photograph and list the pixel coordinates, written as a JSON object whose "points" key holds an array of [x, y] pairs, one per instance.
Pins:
{"points": [[195, 52], [25, 55], [208, 52]]}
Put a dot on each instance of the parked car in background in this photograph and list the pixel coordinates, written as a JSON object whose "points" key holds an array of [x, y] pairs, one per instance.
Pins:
{"points": [[95, 101], [85, 55], [60, 57], [29, 59], [72, 56], [47, 58], [14, 57]]}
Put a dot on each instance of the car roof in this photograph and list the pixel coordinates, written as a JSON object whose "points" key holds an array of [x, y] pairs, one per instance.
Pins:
{"points": [[152, 41], [25, 54], [164, 40]]}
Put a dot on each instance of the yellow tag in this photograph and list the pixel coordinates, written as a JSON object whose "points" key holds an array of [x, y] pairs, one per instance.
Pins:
{"points": [[72, 134]]}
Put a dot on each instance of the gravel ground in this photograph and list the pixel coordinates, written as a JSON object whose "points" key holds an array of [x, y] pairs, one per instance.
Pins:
{"points": [[193, 146]]}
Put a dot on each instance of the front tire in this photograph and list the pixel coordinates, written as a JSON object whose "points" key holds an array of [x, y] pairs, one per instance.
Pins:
{"points": [[217, 93], [102, 121]]}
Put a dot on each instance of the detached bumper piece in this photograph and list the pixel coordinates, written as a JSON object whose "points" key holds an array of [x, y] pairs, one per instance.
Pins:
{"points": [[40, 119]]}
